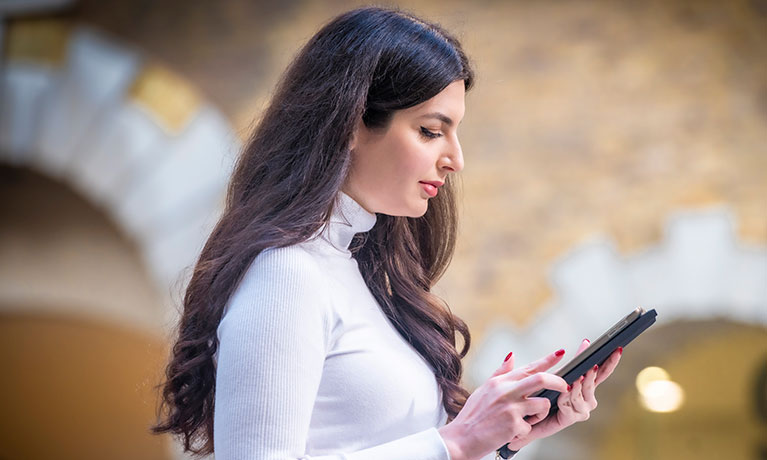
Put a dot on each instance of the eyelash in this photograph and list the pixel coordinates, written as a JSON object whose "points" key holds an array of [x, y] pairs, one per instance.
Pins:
{"points": [[429, 134]]}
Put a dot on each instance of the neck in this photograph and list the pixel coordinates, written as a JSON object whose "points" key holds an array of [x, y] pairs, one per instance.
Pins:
{"points": [[348, 219], [357, 198]]}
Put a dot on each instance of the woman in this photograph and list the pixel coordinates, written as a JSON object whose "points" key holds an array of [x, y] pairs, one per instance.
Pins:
{"points": [[309, 330]]}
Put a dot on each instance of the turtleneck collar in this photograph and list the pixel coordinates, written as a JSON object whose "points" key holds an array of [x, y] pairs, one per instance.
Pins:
{"points": [[348, 219]]}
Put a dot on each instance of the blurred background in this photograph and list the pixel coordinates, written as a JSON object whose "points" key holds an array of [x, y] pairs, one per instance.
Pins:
{"points": [[615, 157]]}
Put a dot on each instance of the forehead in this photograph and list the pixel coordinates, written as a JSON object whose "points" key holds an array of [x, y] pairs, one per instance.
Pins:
{"points": [[449, 102]]}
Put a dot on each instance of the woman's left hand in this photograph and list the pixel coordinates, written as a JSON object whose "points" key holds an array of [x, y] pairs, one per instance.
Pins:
{"points": [[575, 405]]}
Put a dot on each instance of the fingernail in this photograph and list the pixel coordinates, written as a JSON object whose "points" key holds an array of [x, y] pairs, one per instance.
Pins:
{"points": [[559, 353], [596, 366], [620, 350], [587, 340], [507, 357], [569, 387]]}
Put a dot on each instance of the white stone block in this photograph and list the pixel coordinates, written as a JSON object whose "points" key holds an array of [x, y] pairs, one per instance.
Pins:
{"points": [[747, 289], [591, 285], [94, 81], [197, 164], [25, 87], [556, 329], [649, 282], [169, 254], [700, 248], [111, 157]]}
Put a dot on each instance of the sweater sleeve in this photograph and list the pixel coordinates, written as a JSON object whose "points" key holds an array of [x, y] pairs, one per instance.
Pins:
{"points": [[273, 339]]}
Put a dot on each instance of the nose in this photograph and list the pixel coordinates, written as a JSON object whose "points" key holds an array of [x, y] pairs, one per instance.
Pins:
{"points": [[452, 159]]}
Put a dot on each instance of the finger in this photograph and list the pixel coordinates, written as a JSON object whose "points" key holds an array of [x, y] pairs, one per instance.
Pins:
{"points": [[578, 403], [584, 344], [607, 368], [541, 365], [536, 409], [577, 386], [581, 408], [564, 402], [523, 429], [589, 386], [540, 381], [508, 365], [533, 419]]}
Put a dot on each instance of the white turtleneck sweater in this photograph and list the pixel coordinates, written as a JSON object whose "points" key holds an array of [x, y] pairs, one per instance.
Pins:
{"points": [[309, 367]]}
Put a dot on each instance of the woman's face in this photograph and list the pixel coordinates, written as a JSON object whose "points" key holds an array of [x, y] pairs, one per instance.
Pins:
{"points": [[392, 167]]}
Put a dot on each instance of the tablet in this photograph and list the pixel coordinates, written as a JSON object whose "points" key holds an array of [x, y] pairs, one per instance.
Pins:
{"points": [[620, 335]]}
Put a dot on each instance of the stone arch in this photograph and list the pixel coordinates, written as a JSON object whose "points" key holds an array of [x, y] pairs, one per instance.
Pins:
{"points": [[129, 135], [133, 138], [699, 271]]}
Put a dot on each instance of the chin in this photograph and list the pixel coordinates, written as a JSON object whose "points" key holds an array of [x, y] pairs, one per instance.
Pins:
{"points": [[420, 211], [410, 211]]}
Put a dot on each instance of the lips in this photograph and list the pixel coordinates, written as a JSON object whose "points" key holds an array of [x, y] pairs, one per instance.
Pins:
{"points": [[430, 187]]}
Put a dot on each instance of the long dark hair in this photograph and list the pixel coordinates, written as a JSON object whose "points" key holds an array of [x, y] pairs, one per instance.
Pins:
{"points": [[365, 63]]}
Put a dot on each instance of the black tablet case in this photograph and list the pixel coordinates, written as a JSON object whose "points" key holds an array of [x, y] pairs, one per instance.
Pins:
{"points": [[621, 339], [598, 357]]}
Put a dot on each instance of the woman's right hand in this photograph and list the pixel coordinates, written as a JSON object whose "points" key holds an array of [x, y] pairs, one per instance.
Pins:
{"points": [[495, 412]]}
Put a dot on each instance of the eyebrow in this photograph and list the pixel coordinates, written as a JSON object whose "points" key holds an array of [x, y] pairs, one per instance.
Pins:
{"points": [[439, 116]]}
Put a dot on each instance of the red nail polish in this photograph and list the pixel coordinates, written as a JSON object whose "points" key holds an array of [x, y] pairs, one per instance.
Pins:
{"points": [[596, 366], [507, 357], [559, 353], [587, 340], [569, 387], [620, 350]]}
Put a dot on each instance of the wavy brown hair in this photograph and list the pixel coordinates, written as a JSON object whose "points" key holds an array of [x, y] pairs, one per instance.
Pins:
{"points": [[365, 63]]}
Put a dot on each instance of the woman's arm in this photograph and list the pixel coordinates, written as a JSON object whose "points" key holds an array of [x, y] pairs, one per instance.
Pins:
{"points": [[273, 340], [502, 411]]}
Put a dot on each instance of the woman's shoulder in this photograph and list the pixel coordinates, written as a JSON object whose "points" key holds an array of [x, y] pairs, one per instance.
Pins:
{"points": [[282, 290], [291, 261], [289, 276]]}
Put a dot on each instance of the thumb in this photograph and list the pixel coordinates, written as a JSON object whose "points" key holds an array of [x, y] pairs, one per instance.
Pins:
{"points": [[584, 344], [508, 364]]}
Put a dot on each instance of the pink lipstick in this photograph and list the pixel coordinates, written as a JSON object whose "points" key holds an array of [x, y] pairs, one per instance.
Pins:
{"points": [[429, 188]]}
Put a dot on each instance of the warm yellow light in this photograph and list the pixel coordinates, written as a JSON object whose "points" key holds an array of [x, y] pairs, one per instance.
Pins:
{"points": [[662, 396], [650, 374], [657, 392]]}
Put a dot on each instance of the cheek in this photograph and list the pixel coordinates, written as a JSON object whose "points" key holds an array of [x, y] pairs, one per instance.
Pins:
{"points": [[411, 159], [399, 162]]}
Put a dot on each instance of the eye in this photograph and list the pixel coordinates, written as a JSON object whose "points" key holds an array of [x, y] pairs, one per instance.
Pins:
{"points": [[429, 134]]}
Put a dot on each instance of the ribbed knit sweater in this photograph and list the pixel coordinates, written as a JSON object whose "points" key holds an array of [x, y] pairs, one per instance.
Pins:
{"points": [[309, 367]]}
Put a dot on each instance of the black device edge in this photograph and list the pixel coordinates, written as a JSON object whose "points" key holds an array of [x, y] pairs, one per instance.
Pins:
{"points": [[621, 339]]}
